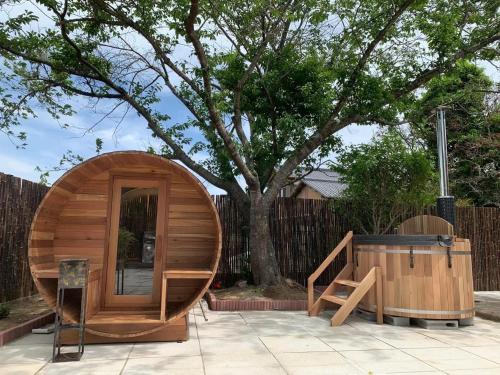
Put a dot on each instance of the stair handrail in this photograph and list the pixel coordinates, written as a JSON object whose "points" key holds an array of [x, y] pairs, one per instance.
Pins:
{"points": [[345, 243]]}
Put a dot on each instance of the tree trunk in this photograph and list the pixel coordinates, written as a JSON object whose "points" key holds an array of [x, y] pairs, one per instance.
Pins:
{"points": [[263, 260]]}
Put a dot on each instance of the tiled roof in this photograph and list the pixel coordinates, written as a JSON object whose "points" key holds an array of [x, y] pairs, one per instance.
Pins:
{"points": [[325, 182]]}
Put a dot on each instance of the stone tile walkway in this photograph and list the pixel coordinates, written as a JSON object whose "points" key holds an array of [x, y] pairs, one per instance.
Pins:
{"points": [[277, 342], [488, 305]]}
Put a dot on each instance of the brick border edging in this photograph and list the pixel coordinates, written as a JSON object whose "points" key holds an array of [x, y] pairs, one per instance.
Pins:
{"points": [[254, 305], [15, 332]]}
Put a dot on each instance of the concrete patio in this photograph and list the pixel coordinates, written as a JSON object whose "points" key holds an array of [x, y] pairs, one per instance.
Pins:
{"points": [[277, 343]]}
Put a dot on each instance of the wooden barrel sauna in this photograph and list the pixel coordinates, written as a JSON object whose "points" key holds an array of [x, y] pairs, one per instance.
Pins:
{"points": [[424, 276], [151, 233]]}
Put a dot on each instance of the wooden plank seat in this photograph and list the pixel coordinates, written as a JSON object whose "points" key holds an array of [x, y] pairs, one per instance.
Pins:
{"points": [[187, 274], [179, 274], [51, 271]]}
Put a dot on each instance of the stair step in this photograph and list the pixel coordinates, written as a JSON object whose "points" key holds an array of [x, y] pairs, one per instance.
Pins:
{"points": [[352, 283], [335, 299]]}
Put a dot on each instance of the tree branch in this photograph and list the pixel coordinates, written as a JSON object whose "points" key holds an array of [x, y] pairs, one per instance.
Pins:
{"points": [[231, 187], [151, 40], [333, 125], [250, 178], [426, 75]]}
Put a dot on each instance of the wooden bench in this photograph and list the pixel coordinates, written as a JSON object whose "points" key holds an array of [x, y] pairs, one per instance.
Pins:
{"points": [[179, 274]]}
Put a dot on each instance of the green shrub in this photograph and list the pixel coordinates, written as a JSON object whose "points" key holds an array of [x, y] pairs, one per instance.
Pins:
{"points": [[4, 310]]}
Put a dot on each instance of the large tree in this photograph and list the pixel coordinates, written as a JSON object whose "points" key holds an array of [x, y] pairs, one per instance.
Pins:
{"points": [[267, 83]]}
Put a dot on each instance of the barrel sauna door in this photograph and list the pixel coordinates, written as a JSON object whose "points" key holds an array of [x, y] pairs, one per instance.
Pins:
{"points": [[136, 230]]}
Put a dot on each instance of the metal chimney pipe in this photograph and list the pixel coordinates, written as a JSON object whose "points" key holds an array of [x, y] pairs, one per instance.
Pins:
{"points": [[445, 202], [442, 151]]}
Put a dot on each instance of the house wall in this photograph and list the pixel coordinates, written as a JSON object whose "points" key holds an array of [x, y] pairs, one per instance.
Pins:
{"points": [[308, 193]]}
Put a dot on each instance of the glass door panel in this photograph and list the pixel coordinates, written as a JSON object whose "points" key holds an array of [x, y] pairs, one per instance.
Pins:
{"points": [[135, 253], [136, 241]]}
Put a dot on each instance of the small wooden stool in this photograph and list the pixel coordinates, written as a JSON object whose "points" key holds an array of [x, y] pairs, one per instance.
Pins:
{"points": [[73, 274]]}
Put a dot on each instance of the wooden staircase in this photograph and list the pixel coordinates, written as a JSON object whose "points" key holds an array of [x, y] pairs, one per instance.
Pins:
{"points": [[345, 279]]}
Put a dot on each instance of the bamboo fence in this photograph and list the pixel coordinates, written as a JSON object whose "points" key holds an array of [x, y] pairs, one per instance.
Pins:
{"points": [[304, 232], [19, 200]]}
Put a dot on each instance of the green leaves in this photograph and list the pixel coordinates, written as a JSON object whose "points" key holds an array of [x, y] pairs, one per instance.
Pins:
{"points": [[272, 75], [472, 128], [385, 178]]}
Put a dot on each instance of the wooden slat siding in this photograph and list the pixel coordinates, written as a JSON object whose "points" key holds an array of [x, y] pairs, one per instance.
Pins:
{"points": [[429, 285], [81, 228], [191, 239], [19, 200]]}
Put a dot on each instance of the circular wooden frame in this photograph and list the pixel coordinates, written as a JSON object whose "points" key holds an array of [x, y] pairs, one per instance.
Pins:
{"points": [[73, 221]]}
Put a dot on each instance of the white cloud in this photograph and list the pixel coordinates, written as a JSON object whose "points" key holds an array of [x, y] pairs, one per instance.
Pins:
{"points": [[17, 167], [357, 134]]}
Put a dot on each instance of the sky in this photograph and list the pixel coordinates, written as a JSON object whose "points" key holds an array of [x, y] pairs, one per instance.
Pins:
{"points": [[48, 140]]}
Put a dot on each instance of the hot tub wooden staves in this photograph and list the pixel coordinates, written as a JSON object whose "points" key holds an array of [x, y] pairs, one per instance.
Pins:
{"points": [[422, 276], [152, 235]]}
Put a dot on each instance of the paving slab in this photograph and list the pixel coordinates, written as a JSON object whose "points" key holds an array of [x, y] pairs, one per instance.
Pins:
{"points": [[483, 371], [166, 349], [491, 353], [487, 305], [108, 367], [362, 341], [279, 329], [461, 337], [270, 342], [246, 345], [310, 359], [106, 352], [275, 370], [294, 344], [21, 354], [451, 359], [20, 369], [233, 331], [386, 361], [188, 365], [34, 339], [409, 339], [341, 369]]}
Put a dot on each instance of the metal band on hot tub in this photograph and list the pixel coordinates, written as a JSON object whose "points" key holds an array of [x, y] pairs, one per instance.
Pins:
{"points": [[403, 240], [415, 252]]}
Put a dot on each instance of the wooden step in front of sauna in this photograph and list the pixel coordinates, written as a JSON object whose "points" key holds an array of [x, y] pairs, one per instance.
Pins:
{"points": [[127, 317], [106, 327]]}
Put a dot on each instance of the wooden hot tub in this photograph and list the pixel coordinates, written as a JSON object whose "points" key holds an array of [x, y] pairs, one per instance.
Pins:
{"points": [[424, 276]]}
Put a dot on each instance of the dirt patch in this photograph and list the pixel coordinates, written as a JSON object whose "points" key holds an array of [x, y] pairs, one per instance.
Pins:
{"points": [[289, 291], [22, 310]]}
